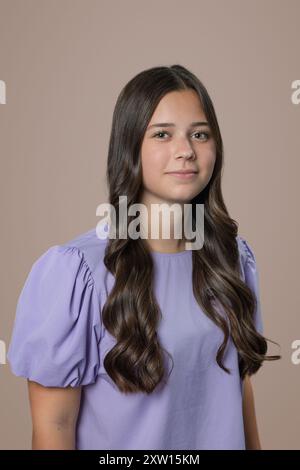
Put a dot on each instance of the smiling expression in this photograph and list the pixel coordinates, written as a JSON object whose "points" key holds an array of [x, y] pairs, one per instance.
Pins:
{"points": [[178, 137]]}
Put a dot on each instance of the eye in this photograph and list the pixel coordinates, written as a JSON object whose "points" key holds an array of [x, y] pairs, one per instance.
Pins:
{"points": [[206, 134], [203, 133], [158, 133]]}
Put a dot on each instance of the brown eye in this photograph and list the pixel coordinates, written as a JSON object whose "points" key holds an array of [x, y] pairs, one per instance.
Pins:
{"points": [[204, 133], [158, 133]]}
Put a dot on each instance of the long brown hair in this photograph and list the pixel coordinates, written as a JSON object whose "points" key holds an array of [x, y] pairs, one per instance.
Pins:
{"points": [[131, 312]]}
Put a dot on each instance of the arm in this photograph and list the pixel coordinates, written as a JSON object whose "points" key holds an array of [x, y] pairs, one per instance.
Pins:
{"points": [[250, 425], [54, 414]]}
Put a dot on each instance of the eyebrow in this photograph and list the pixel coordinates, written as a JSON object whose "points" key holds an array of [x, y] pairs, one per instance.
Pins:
{"points": [[171, 124]]}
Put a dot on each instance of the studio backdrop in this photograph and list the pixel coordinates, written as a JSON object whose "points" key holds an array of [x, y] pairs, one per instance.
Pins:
{"points": [[62, 66]]}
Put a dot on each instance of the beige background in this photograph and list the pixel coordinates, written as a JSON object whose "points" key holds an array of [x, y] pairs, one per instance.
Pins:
{"points": [[64, 63]]}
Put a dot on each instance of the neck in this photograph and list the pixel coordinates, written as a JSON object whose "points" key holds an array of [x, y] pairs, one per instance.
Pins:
{"points": [[163, 231]]}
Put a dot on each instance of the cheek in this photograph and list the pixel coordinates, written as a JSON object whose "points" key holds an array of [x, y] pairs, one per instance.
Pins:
{"points": [[153, 164], [207, 162]]}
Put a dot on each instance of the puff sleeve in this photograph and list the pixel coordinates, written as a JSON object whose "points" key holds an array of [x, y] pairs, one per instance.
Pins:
{"points": [[250, 276], [57, 326]]}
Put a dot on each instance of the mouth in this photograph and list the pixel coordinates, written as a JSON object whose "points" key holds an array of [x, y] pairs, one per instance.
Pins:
{"points": [[183, 174]]}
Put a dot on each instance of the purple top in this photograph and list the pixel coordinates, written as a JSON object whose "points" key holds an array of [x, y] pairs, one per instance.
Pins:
{"points": [[58, 340]]}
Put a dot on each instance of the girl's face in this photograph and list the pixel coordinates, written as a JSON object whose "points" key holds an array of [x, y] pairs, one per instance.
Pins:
{"points": [[176, 145]]}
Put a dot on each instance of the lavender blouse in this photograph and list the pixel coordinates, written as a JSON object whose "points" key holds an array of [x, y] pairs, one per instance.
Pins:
{"points": [[59, 340]]}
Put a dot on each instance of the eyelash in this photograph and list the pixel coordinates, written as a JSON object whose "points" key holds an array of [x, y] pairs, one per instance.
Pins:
{"points": [[164, 132]]}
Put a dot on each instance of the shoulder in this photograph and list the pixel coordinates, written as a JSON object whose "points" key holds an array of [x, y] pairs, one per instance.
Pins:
{"points": [[250, 275], [58, 323], [88, 246], [86, 250], [245, 250], [246, 255], [71, 265]]}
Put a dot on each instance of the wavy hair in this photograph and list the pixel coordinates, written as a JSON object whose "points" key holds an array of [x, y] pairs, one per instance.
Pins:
{"points": [[131, 313]]}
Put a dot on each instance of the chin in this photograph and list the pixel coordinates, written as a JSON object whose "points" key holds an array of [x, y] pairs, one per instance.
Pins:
{"points": [[186, 195], [181, 199]]}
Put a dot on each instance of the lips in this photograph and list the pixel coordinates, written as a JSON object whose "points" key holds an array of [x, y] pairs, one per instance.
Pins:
{"points": [[184, 176], [183, 172]]}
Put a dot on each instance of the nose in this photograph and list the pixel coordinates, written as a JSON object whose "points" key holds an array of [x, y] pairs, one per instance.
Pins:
{"points": [[191, 156], [187, 153]]}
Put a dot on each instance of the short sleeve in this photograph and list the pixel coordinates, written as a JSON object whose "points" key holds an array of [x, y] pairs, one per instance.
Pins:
{"points": [[250, 276], [57, 326]]}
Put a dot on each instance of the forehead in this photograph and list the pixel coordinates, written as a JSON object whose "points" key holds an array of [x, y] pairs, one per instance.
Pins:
{"points": [[178, 105]]}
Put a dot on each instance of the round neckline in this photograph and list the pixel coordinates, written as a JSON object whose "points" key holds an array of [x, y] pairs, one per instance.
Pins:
{"points": [[171, 255]]}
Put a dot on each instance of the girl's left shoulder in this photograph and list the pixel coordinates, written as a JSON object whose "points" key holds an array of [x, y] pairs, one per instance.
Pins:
{"points": [[247, 256], [250, 275]]}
